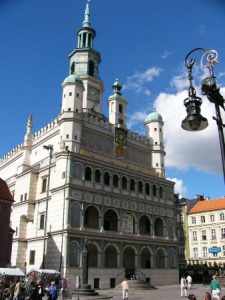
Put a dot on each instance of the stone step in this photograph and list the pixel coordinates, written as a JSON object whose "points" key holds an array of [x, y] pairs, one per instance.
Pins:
{"points": [[138, 285]]}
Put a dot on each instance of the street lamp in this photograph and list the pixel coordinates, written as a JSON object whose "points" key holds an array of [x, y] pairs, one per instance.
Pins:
{"points": [[50, 149], [194, 120]]}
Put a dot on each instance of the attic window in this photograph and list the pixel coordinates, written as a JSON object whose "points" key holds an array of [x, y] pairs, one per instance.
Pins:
{"points": [[70, 93]]}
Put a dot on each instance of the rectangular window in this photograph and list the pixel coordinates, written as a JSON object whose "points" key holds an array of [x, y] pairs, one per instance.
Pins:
{"points": [[42, 221], [213, 234], [222, 217], [195, 252], [202, 219], [32, 257], [222, 233], [21, 198], [204, 252], [44, 185], [193, 220], [204, 235], [194, 235], [25, 196], [212, 218]]}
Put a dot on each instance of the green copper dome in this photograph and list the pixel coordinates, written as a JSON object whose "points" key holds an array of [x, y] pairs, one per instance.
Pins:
{"points": [[72, 78], [154, 116]]}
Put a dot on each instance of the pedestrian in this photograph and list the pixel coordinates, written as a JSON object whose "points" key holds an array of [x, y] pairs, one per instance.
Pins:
{"points": [[192, 297], [40, 290], [16, 290], [53, 293], [33, 290], [207, 296], [125, 288], [189, 281], [215, 288], [183, 287]]}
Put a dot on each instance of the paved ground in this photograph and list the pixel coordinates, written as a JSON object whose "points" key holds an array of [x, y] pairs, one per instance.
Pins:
{"points": [[171, 292]]}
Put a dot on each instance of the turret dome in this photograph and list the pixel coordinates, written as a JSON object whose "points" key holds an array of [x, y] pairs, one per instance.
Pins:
{"points": [[72, 78], [154, 116]]}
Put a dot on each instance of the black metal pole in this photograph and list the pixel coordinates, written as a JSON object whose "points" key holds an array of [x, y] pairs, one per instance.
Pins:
{"points": [[220, 125]]}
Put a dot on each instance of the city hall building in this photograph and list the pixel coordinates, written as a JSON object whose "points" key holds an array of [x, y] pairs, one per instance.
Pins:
{"points": [[84, 183]]}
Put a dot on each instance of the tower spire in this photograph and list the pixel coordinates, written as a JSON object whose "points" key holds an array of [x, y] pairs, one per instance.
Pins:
{"points": [[86, 22]]}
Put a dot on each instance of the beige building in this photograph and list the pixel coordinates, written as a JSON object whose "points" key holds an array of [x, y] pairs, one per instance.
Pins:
{"points": [[88, 189], [206, 228]]}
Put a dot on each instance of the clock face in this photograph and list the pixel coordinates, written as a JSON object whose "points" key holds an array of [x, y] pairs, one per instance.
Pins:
{"points": [[81, 58], [120, 136]]}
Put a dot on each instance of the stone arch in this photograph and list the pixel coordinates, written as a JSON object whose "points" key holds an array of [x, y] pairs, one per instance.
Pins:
{"points": [[91, 217], [98, 176], [140, 186], [73, 253], [172, 257], [159, 227], [132, 185], [129, 260], [106, 178], [92, 252], [74, 214], [161, 192], [124, 183], [115, 180], [154, 190], [88, 173], [110, 220], [147, 189], [111, 254], [146, 257], [160, 258], [128, 222], [144, 225]]}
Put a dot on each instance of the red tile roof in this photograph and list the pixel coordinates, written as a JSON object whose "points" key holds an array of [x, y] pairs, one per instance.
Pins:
{"points": [[5, 193], [208, 205]]}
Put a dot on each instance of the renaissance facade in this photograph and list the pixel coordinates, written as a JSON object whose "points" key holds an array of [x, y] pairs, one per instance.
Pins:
{"points": [[86, 184]]}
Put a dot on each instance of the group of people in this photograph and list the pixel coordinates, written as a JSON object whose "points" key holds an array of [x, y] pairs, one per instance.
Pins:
{"points": [[215, 288], [18, 290]]}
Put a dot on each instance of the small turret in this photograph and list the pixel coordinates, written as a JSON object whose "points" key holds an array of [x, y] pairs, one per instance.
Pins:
{"points": [[117, 106], [154, 131]]}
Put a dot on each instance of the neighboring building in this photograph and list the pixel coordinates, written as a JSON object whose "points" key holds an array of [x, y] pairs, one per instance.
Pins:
{"points": [[6, 201], [206, 227], [86, 182], [183, 208]]}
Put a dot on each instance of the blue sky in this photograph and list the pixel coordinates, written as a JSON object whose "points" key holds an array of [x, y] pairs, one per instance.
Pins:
{"points": [[143, 43]]}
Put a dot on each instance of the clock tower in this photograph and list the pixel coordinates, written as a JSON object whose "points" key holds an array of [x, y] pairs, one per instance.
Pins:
{"points": [[84, 62]]}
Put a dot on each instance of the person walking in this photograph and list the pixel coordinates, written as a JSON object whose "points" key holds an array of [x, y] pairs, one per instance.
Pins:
{"points": [[17, 290], [125, 288], [189, 281], [53, 293], [215, 288], [183, 287], [40, 290]]}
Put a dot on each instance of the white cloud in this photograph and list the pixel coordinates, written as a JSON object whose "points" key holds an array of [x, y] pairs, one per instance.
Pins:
{"points": [[199, 150], [136, 118], [179, 187], [166, 54], [137, 82]]}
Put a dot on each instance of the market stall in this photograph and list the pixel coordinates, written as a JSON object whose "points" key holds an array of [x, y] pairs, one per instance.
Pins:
{"points": [[44, 275]]}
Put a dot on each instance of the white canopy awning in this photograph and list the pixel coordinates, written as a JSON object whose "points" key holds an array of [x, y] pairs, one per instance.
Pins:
{"points": [[11, 272], [43, 271]]}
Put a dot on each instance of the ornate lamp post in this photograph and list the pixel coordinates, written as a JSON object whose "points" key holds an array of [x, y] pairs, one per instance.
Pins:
{"points": [[194, 120]]}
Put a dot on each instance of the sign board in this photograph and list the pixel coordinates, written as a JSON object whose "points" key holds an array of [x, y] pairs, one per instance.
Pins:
{"points": [[215, 250]]}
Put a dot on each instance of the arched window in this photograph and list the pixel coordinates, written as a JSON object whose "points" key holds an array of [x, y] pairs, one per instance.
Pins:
{"points": [[73, 254], [160, 192], [160, 259], [72, 68], [147, 189], [124, 183], [132, 185], [88, 173], [91, 68], [140, 186], [97, 176], [115, 180], [106, 178], [154, 190], [120, 108], [74, 215], [76, 170]]}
